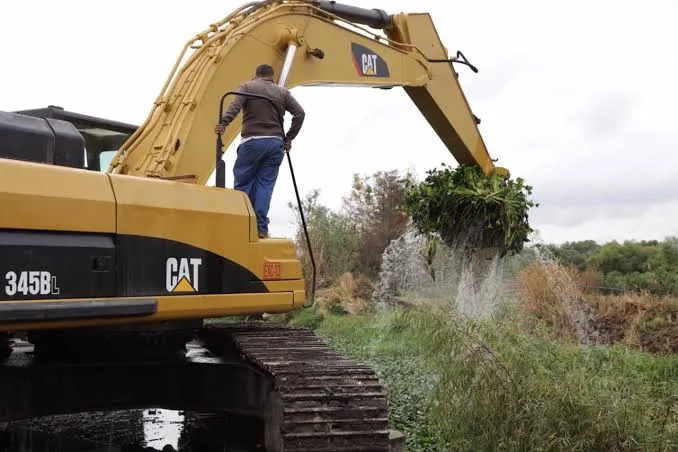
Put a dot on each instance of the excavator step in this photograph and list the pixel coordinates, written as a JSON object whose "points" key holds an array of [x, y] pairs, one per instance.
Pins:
{"points": [[328, 402]]}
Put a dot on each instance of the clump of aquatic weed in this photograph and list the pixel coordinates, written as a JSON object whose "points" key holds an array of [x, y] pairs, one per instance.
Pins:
{"points": [[468, 208], [500, 389]]}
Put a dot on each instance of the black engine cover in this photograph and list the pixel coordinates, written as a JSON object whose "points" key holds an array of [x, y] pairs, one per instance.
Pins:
{"points": [[41, 140]]}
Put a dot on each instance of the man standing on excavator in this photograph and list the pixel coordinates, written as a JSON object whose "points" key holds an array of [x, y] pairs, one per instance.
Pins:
{"points": [[264, 141]]}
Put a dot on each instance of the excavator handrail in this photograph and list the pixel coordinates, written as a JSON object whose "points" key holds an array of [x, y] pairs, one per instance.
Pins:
{"points": [[220, 177]]}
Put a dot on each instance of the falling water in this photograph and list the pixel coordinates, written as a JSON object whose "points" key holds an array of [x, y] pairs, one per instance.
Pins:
{"points": [[418, 270]]}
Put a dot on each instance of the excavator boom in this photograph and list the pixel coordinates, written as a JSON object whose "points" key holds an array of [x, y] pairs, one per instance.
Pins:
{"points": [[309, 43]]}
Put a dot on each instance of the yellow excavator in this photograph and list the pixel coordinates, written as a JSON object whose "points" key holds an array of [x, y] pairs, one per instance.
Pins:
{"points": [[90, 252]]}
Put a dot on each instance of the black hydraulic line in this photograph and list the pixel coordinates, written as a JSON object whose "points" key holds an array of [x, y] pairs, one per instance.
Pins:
{"points": [[374, 18], [221, 176]]}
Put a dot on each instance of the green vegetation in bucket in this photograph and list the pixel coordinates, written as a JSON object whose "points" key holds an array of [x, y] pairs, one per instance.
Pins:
{"points": [[467, 208]]}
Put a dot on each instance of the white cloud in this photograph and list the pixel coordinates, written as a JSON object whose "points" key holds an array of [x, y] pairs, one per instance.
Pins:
{"points": [[576, 97]]}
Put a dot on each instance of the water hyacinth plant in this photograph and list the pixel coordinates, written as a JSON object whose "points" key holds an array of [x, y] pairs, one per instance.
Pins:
{"points": [[467, 208]]}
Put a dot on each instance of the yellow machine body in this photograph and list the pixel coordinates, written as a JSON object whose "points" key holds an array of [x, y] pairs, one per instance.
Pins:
{"points": [[49, 198]]}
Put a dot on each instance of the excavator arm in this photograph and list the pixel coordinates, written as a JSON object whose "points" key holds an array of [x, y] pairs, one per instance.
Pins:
{"points": [[309, 43]]}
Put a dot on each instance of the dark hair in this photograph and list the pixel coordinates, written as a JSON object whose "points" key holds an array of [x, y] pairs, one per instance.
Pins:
{"points": [[264, 70]]}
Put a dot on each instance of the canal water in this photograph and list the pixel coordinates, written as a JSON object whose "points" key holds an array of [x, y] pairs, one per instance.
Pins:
{"points": [[131, 431]]}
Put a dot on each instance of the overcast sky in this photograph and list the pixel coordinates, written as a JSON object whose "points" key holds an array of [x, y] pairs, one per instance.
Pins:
{"points": [[579, 98]]}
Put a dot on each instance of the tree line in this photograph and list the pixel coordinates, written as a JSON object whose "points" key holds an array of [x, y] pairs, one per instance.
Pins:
{"points": [[353, 238], [645, 265]]}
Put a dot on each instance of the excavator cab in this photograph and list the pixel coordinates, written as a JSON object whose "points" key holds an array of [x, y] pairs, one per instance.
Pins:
{"points": [[56, 136]]}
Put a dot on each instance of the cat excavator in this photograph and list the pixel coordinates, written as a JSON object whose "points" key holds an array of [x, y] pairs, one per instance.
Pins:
{"points": [[95, 255]]}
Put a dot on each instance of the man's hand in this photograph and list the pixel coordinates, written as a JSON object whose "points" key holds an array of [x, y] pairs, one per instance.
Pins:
{"points": [[219, 129], [288, 145]]}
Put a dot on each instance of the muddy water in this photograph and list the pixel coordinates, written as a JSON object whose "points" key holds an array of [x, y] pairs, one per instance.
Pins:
{"points": [[127, 431]]}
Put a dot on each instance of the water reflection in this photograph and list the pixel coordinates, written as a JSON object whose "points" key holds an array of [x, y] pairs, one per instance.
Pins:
{"points": [[136, 430], [162, 428]]}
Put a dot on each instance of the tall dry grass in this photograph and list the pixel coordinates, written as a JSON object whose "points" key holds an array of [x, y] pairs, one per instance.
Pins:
{"points": [[565, 304], [350, 294]]}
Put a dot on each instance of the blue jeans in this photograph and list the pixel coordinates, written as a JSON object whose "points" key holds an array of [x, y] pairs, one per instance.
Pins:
{"points": [[255, 172]]}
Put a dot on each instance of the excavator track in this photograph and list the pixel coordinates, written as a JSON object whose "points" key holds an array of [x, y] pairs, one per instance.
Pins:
{"points": [[323, 400]]}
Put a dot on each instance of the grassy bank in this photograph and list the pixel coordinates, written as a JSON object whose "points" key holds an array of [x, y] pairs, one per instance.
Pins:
{"points": [[459, 385], [584, 358]]}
